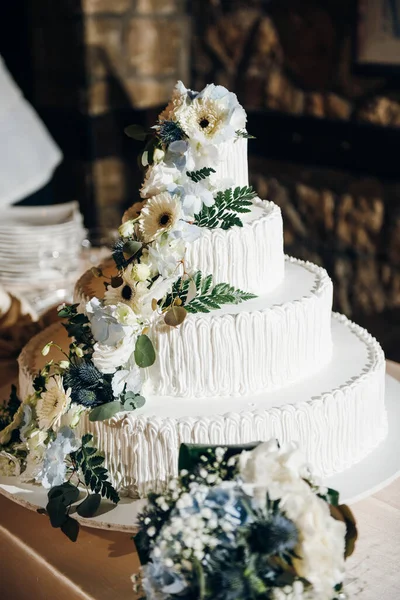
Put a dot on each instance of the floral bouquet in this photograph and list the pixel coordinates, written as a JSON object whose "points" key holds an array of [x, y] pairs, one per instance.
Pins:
{"points": [[248, 526]]}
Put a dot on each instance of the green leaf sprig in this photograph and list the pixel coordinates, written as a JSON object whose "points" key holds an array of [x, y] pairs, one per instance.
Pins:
{"points": [[88, 465], [209, 297], [224, 212], [197, 176]]}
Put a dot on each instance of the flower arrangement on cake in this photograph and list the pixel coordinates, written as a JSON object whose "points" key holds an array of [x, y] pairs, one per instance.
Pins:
{"points": [[251, 525], [112, 340]]}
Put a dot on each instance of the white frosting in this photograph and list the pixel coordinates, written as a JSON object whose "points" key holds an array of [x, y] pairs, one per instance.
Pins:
{"points": [[335, 426], [233, 163], [261, 344], [250, 258], [337, 415]]}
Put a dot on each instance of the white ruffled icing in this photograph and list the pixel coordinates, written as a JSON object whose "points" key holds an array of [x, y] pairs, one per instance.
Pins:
{"points": [[338, 416], [261, 344], [250, 258], [233, 162], [335, 429]]}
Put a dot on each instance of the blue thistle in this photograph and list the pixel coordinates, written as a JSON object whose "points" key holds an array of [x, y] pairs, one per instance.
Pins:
{"points": [[170, 131], [272, 536]]}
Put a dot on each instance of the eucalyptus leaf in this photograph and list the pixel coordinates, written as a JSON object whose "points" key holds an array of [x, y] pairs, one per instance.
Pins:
{"points": [[175, 316], [131, 248], [144, 352], [89, 506], [71, 529], [136, 132], [105, 411]]}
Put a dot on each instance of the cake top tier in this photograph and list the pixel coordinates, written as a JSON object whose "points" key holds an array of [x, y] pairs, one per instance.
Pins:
{"points": [[202, 133]]}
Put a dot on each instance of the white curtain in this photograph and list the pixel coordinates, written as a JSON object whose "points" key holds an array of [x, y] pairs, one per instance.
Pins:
{"points": [[28, 154]]}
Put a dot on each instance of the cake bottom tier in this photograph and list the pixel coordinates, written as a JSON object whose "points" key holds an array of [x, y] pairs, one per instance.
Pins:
{"points": [[338, 416]]}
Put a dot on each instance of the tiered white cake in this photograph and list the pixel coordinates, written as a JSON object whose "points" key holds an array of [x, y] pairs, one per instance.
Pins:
{"points": [[280, 365]]}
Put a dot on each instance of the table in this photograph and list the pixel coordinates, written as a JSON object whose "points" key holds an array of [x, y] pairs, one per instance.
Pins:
{"points": [[38, 563]]}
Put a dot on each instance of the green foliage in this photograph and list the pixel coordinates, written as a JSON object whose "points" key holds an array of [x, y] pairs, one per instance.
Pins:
{"points": [[132, 401], [175, 316], [224, 212], [78, 327], [91, 464], [136, 132], [209, 297], [105, 411], [8, 411], [242, 133], [89, 506], [179, 290], [144, 352], [197, 176], [60, 498]]}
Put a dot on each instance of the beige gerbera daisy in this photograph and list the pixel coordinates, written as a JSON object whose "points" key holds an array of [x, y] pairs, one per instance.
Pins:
{"points": [[52, 404], [160, 214], [204, 119]]}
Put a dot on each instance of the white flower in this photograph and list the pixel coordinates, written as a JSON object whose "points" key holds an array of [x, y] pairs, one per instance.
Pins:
{"points": [[165, 256], [158, 155], [193, 196], [9, 465], [213, 116], [107, 359], [139, 271], [160, 214], [280, 471], [110, 323], [158, 179], [126, 229], [72, 417], [52, 404], [131, 377], [178, 100], [54, 468]]}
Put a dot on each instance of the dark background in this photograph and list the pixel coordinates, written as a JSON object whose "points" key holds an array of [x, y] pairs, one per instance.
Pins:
{"points": [[328, 138]]}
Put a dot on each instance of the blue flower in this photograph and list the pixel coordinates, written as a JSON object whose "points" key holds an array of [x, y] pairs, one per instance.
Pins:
{"points": [[54, 467], [160, 581], [177, 154]]}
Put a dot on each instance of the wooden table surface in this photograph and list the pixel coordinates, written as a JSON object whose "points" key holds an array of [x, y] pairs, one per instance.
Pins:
{"points": [[39, 563]]}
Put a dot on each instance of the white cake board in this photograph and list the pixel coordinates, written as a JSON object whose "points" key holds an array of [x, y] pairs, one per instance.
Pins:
{"points": [[370, 475]]}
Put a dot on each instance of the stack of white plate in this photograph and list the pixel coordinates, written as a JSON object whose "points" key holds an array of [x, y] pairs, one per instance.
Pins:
{"points": [[40, 246]]}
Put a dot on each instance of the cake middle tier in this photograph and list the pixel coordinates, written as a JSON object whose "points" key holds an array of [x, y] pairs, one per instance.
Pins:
{"points": [[261, 344]]}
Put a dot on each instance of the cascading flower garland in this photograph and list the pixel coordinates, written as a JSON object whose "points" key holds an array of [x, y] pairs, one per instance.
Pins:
{"points": [[102, 372]]}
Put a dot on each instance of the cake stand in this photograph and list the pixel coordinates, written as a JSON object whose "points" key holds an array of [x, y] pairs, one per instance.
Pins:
{"points": [[377, 470]]}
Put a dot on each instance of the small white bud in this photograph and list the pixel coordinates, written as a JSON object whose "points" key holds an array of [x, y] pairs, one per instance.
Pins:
{"points": [[126, 229], [158, 155], [46, 349], [145, 159]]}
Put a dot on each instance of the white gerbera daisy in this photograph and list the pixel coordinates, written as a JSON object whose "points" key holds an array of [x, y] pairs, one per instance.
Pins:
{"points": [[204, 120], [52, 404], [160, 213]]}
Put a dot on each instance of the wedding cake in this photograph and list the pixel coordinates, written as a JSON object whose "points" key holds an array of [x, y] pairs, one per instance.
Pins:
{"points": [[205, 331]]}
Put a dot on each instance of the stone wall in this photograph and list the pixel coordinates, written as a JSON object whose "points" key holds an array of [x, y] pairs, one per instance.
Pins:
{"points": [[96, 62], [293, 56], [347, 223]]}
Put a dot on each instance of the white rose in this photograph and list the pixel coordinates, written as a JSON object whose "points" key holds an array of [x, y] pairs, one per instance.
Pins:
{"points": [[158, 178], [108, 358]]}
